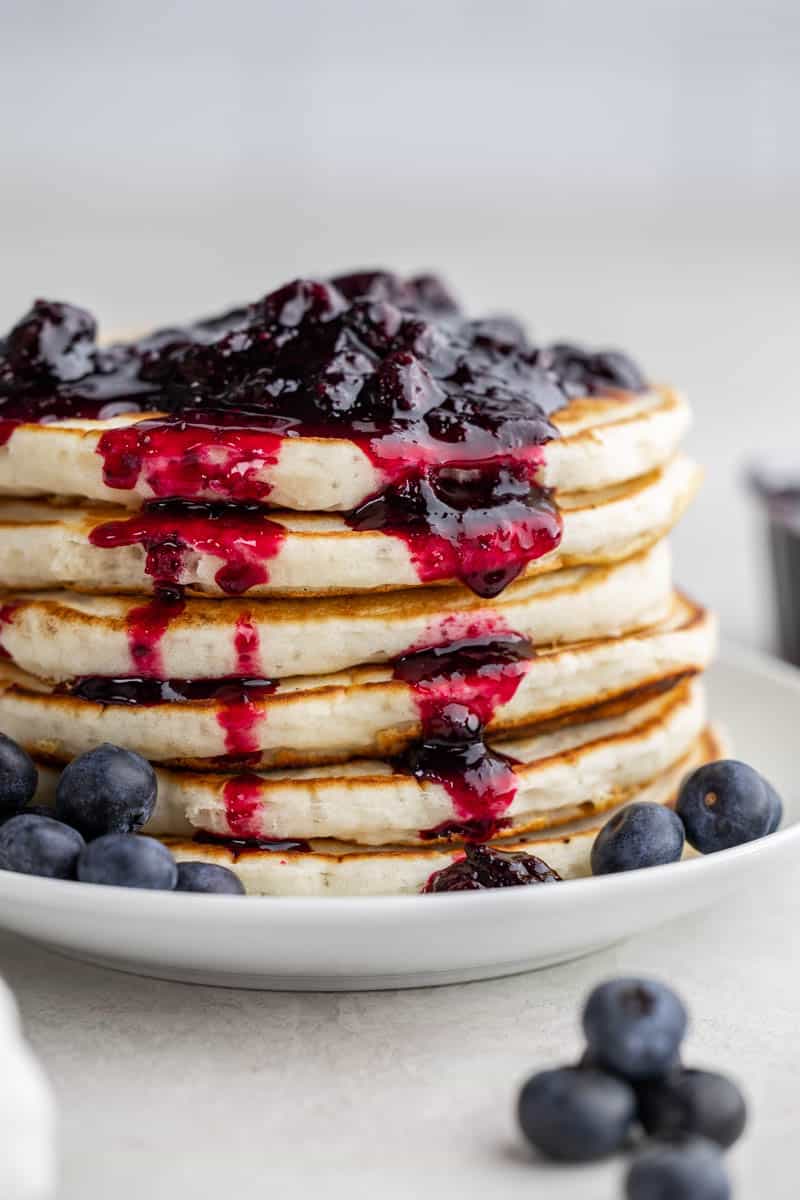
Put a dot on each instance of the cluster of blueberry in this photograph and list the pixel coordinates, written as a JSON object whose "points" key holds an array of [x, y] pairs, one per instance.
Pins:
{"points": [[720, 805], [629, 1083], [103, 798]]}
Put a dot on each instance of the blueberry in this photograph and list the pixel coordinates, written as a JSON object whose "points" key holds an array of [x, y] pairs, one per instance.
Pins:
{"points": [[207, 877], [693, 1102], [727, 803], [34, 845], [691, 1170], [128, 860], [106, 790], [18, 777], [574, 1115], [634, 1027], [639, 835]]}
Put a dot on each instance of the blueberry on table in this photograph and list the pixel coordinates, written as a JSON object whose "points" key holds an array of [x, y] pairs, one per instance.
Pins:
{"points": [[106, 790], [634, 1027], [639, 835], [207, 877], [727, 803], [574, 1115], [692, 1170], [128, 860], [690, 1102], [18, 777], [35, 845]]}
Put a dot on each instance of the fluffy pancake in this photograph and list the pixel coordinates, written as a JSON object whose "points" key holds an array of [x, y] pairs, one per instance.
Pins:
{"points": [[61, 635], [370, 802], [604, 440], [366, 711], [333, 868], [44, 545]]}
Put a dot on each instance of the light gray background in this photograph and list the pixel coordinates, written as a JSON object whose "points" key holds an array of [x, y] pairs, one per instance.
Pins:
{"points": [[626, 172]]}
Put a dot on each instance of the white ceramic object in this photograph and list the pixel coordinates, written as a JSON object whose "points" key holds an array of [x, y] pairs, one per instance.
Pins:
{"points": [[27, 1114], [410, 941]]}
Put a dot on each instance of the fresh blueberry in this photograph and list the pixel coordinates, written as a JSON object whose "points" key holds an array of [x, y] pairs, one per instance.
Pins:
{"points": [[777, 811], [18, 777], [726, 803], [692, 1170], [576, 1115], [698, 1103], [639, 835], [634, 1027], [207, 877], [106, 790], [34, 845], [128, 860], [590, 1061]]}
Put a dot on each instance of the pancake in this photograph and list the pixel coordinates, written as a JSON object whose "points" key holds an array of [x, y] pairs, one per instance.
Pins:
{"points": [[366, 711], [44, 545], [371, 802], [604, 440], [61, 635], [334, 868]]}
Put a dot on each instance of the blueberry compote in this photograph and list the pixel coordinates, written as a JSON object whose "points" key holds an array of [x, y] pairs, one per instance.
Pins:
{"points": [[486, 867], [241, 535], [458, 688], [453, 413]]}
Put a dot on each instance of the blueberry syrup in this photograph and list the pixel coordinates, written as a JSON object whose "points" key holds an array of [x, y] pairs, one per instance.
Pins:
{"points": [[241, 535], [242, 798], [146, 626], [458, 688], [241, 846], [481, 672], [138, 691], [486, 867]]}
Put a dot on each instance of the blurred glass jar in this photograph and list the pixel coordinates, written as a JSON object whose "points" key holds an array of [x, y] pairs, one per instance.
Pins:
{"points": [[777, 486]]}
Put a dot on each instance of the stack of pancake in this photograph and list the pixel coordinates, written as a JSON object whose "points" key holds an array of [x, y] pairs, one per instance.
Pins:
{"points": [[351, 636]]}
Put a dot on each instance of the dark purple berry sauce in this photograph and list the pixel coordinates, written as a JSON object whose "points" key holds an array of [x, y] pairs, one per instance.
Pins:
{"points": [[142, 692], [486, 867], [454, 413], [458, 688]]}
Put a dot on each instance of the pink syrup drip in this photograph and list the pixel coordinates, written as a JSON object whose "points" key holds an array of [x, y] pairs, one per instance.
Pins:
{"points": [[241, 718], [242, 798], [242, 536], [177, 458]]}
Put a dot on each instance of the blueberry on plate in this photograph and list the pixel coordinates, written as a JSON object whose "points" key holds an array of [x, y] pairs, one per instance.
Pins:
{"points": [[690, 1102], [727, 803], [691, 1170], [207, 877], [634, 1027], [106, 790], [128, 860], [18, 777], [574, 1115], [34, 845], [639, 835]]}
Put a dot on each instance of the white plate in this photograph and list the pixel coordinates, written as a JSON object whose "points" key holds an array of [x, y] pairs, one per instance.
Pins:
{"points": [[409, 941]]}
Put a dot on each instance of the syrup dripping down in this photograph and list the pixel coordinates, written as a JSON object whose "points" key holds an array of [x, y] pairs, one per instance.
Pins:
{"points": [[241, 535], [458, 688]]}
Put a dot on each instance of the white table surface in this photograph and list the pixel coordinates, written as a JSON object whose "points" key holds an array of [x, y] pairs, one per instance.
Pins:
{"points": [[189, 1093]]}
